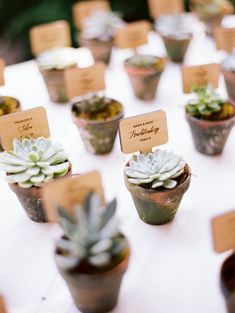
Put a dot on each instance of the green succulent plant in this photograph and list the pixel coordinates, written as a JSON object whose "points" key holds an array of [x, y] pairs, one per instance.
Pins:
{"points": [[157, 169], [92, 238], [146, 61], [34, 162]]}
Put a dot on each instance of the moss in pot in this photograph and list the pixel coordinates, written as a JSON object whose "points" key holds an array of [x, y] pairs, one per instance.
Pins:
{"points": [[93, 255], [157, 182], [227, 282], [52, 65], [144, 72], [228, 69], [176, 32], [31, 164], [97, 118], [210, 119], [98, 32]]}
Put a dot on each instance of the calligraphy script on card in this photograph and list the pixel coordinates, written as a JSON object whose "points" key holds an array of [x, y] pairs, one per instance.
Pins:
{"points": [[2, 66], [51, 35], [200, 75], [225, 38], [143, 132], [31, 123], [2, 306], [132, 35], [83, 9], [164, 7], [223, 230], [80, 81], [69, 191]]}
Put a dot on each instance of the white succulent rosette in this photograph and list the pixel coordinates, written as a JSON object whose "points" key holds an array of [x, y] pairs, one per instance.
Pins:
{"points": [[58, 58], [34, 162], [101, 25], [228, 63], [158, 168]]}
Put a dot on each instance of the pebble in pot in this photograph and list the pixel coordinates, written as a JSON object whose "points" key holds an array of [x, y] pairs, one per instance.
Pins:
{"points": [[93, 255]]}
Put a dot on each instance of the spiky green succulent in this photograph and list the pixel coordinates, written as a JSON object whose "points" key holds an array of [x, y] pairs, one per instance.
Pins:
{"points": [[101, 25], [146, 61], [92, 234], [157, 169], [206, 102], [34, 162]]}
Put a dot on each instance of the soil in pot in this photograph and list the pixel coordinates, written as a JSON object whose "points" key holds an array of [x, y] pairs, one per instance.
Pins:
{"points": [[227, 279], [159, 206]]}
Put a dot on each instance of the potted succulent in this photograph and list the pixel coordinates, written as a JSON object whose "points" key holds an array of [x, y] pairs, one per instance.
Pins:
{"points": [[228, 69], [227, 281], [176, 31], [93, 255], [98, 32], [211, 12], [210, 119], [8, 105], [157, 182], [97, 118], [31, 164], [52, 65], [144, 72]]}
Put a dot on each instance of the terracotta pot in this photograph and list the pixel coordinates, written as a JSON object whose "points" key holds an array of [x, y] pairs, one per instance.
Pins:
{"points": [[227, 282], [101, 50], [229, 78], [209, 137], [98, 292], [176, 48], [98, 135], [144, 81], [159, 206]]}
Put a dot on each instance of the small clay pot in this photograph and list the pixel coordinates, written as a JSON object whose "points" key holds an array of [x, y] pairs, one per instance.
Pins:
{"points": [[158, 206], [101, 50], [144, 81], [227, 282], [229, 78], [176, 48], [97, 292], [98, 135], [209, 137]]}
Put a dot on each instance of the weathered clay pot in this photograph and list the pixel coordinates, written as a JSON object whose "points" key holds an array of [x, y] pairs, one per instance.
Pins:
{"points": [[158, 207], [227, 282], [98, 135], [98, 292], [144, 81], [229, 78], [101, 50], [176, 48], [210, 136], [55, 83]]}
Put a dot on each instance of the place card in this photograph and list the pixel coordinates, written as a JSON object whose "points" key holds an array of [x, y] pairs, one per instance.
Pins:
{"points": [[48, 36], [132, 35], [80, 81], [223, 230], [83, 9], [31, 123], [225, 38], [69, 191], [2, 306], [2, 66], [143, 132], [164, 7], [200, 75]]}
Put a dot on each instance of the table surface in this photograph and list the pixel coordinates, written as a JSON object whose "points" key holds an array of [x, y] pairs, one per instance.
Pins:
{"points": [[172, 267]]}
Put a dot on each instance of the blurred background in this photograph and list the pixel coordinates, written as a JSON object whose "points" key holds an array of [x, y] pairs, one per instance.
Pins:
{"points": [[17, 17]]}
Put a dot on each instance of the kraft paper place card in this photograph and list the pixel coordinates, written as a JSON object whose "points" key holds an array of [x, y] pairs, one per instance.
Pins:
{"points": [[164, 7], [69, 191], [200, 75], [51, 35], [223, 230], [80, 81], [225, 38], [31, 123], [83, 9], [2, 66], [132, 35], [2, 306], [143, 132]]}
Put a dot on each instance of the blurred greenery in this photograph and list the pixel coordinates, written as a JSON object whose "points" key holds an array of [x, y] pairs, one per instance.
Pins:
{"points": [[17, 17]]}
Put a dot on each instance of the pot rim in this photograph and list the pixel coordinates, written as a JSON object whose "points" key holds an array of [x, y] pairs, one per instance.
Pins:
{"points": [[143, 71], [187, 37]]}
